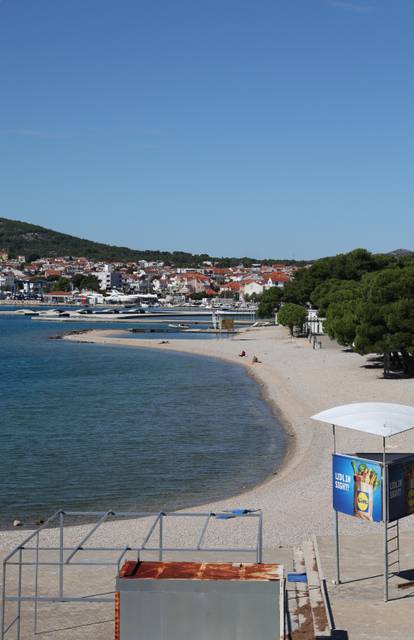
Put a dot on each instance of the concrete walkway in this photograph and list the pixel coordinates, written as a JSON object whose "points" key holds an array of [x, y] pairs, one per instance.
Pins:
{"points": [[357, 603]]}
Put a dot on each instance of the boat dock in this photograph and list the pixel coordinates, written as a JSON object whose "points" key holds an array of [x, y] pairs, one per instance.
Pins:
{"points": [[205, 316], [144, 319]]}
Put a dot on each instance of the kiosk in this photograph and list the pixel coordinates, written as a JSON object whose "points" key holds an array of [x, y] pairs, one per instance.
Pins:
{"points": [[375, 487]]}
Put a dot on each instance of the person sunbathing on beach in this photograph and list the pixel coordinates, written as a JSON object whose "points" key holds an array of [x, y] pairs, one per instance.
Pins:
{"points": [[255, 359], [242, 354]]}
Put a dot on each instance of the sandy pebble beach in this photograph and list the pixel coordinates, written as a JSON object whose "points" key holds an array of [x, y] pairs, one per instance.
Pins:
{"points": [[297, 381]]}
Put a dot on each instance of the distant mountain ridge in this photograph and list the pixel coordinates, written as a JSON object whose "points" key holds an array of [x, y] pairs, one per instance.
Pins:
{"points": [[400, 252], [23, 238]]}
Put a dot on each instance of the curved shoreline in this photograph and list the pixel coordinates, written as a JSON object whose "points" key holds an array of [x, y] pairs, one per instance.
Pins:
{"points": [[107, 337], [297, 382], [294, 444]]}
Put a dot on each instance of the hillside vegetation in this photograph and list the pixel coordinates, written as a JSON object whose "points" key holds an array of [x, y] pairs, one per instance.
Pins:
{"points": [[28, 239]]}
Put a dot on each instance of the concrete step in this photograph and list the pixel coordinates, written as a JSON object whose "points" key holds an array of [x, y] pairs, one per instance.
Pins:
{"points": [[317, 603], [307, 610], [300, 621]]}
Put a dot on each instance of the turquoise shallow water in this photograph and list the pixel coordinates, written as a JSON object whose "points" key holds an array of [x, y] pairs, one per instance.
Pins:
{"points": [[90, 427]]}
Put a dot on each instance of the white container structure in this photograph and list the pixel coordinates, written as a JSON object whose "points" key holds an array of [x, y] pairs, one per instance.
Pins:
{"points": [[201, 601]]}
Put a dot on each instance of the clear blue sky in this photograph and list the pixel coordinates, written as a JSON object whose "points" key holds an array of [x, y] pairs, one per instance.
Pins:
{"points": [[278, 128]]}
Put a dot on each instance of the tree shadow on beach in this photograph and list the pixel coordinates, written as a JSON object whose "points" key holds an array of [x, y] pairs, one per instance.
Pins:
{"points": [[374, 362]]}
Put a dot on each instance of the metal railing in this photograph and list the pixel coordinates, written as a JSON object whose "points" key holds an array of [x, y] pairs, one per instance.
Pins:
{"points": [[31, 553]]}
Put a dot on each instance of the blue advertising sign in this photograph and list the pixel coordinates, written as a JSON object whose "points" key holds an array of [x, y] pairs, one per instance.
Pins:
{"points": [[357, 487], [401, 489]]}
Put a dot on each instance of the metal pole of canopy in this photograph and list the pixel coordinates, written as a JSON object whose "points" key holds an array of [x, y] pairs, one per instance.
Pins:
{"points": [[385, 518], [338, 575]]}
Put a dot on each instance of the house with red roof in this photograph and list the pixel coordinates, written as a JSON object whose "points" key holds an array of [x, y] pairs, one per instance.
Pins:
{"points": [[58, 296], [234, 287], [252, 286], [276, 278]]}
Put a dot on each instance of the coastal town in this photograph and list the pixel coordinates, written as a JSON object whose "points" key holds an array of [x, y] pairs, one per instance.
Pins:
{"points": [[312, 338], [83, 281], [206, 320]]}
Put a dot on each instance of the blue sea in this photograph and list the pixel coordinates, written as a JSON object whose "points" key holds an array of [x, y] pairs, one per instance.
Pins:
{"points": [[92, 427]]}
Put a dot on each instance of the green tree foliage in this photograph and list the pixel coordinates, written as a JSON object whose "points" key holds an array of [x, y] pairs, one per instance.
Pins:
{"points": [[377, 313], [390, 285], [253, 297], [299, 290], [32, 257], [77, 279], [399, 321], [81, 281], [386, 313], [292, 315], [341, 322], [199, 295], [367, 299], [269, 302], [62, 284], [345, 266], [332, 292]]}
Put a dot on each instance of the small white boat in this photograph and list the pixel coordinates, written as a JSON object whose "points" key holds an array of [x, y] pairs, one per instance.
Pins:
{"points": [[178, 325], [25, 312], [53, 313]]}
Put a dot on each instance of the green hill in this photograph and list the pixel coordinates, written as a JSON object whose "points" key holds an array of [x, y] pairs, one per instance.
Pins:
{"points": [[22, 238]]}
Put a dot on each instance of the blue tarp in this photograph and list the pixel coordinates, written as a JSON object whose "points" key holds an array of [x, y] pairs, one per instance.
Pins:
{"points": [[297, 577], [233, 513]]}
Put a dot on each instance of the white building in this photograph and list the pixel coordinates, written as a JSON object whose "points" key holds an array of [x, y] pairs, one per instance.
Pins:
{"points": [[108, 278], [252, 287], [6, 281], [90, 297]]}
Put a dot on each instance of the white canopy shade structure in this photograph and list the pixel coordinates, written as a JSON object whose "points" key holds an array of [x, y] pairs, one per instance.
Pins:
{"points": [[379, 418]]}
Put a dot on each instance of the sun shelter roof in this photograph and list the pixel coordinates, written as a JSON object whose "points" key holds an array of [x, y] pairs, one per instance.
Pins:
{"points": [[379, 418]]}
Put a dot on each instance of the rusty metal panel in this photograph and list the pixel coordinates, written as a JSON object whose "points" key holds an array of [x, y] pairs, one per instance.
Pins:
{"points": [[199, 571]]}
